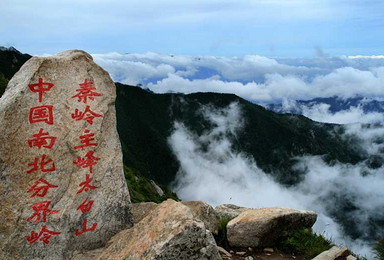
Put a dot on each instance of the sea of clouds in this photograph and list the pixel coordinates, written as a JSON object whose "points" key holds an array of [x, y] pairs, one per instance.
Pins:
{"points": [[219, 175], [253, 77]]}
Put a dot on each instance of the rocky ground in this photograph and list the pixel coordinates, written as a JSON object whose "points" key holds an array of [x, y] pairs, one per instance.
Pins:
{"points": [[245, 226], [250, 254]]}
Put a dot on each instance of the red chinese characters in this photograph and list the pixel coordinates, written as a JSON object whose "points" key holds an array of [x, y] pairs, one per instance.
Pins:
{"points": [[42, 139], [40, 188], [87, 115], [87, 141], [85, 229], [40, 88], [41, 208], [85, 206], [45, 165], [88, 161], [86, 185], [86, 90], [41, 114], [44, 235]]}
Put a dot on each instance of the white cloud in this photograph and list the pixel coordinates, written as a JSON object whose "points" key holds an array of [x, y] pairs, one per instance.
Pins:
{"points": [[219, 175], [252, 77], [366, 57], [321, 112], [138, 71]]}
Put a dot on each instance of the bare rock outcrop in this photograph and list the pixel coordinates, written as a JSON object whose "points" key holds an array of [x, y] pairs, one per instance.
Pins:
{"points": [[141, 210], [229, 211], [169, 232], [334, 253], [62, 184], [156, 188], [205, 213], [264, 227]]}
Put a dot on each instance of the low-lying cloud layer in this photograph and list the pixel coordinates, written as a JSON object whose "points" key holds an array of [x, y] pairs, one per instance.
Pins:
{"points": [[321, 112], [252, 77], [210, 169], [217, 175]]}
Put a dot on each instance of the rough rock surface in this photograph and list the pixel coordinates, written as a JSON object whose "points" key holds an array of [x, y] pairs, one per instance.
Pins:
{"points": [[20, 119], [223, 251], [169, 232], [205, 213], [141, 210], [263, 227], [334, 253], [229, 211], [156, 188]]}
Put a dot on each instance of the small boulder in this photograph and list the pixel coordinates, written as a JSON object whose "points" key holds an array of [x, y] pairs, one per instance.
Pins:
{"points": [[205, 213], [264, 227], [268, 250], [229, 211], [141, 210], [223, 251], [156, 188], [170, 231], [334, 253]]}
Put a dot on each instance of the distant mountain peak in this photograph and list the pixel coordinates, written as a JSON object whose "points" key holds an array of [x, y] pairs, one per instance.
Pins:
{"points": [[336, 104], [12, 49]]}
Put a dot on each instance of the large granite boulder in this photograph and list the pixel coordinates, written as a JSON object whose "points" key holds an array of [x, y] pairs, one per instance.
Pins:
{"points": [[264, 227], [200, 209], [229, 211], [205, 213], [334, 253], [169, 232], [62, 184], [141, 210]]}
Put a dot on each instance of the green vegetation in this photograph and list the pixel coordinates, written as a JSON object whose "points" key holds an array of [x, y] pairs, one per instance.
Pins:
{"points": [[379, 250], [221, 238], [141, 190], [10, 62], [3, 84], [145, 121], [305, 243]]}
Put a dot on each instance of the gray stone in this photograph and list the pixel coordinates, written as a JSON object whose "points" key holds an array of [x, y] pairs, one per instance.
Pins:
{"points": [[141, 210], [334, 253], [156, 189], [205, 213], [223, 251], [111, 209], [169, 232], [264, 227], [229, 211]]}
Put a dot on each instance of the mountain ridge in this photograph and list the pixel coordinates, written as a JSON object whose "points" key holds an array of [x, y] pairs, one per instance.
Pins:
{"points": [[145, 121]]}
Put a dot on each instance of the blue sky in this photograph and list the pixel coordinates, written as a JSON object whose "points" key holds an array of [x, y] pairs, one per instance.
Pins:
{"points": [[272, 28]]}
